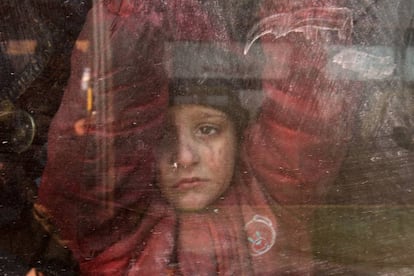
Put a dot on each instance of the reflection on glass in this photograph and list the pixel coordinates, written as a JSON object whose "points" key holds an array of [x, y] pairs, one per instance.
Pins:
{"points": [[17, 130]]}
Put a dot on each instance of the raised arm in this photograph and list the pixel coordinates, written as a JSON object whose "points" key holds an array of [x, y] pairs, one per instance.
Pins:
{"points": [[300, 138], [99, 174]]}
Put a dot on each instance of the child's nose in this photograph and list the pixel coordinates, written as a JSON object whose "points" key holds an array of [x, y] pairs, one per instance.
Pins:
{"points": [[187, 152]]}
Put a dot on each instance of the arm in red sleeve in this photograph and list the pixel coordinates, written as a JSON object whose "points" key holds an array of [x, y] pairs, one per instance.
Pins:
{"points": [[300, 138], [99, 174]]}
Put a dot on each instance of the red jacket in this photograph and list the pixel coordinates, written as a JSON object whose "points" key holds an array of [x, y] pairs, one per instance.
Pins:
{"points": [[99, 182]]}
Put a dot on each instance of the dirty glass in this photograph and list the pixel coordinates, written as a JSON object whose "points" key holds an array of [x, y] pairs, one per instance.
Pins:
{"points": [[192, 137]]}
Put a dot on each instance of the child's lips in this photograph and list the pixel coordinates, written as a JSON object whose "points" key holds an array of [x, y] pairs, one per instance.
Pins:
{"points": [[190, 183]]}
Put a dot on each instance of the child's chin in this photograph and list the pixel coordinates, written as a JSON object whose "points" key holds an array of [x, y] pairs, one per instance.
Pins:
{"points": [[191, 205]]}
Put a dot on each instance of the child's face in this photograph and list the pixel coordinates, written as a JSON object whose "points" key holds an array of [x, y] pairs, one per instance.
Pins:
{"points": [[197, 156]]}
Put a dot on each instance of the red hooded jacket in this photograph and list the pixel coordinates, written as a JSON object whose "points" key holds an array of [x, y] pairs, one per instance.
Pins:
{"points": [[99, 187]]}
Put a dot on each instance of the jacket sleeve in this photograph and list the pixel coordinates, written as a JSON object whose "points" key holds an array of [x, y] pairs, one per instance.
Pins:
{"points": [[99, 174], [300, 138]]}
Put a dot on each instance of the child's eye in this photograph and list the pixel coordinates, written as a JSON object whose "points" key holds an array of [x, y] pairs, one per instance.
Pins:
{"points": [[207, 130]]}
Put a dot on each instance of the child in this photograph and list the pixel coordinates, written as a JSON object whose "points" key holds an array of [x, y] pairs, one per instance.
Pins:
{"points": [[159, 178]]}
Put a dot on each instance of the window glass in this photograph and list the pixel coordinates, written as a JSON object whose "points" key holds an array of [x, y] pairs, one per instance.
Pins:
{"points": [[196, 137]]}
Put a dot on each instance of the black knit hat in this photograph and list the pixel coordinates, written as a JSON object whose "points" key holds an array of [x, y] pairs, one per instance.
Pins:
{"points": [[208, 74], [219, 94]]}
